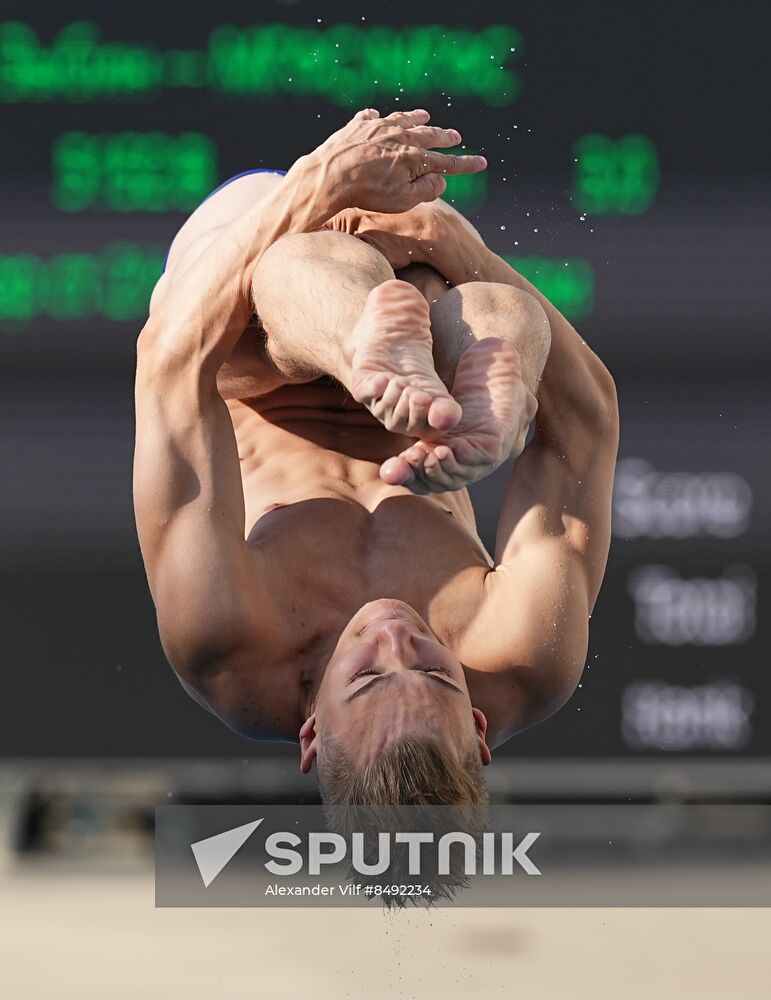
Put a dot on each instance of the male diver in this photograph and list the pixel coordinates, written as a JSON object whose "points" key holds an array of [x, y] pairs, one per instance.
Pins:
{"points": [[331, 357]]}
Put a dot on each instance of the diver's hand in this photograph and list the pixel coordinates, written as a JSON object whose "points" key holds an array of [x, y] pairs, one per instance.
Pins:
{"points": [[387, 164]]}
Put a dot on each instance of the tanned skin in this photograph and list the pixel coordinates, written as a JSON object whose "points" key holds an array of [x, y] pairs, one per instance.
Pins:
{"points": [[302, 518]]}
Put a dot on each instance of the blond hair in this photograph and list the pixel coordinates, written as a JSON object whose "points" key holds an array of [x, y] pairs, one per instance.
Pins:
{"points": [[412, 771], [377, 798]]}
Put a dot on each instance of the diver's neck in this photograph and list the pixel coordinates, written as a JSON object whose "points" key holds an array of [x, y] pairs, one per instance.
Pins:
{"points": [[313, 669]]}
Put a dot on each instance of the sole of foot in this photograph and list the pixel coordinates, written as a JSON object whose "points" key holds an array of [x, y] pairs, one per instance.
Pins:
{"points": [[392, 365], [497, 411]]}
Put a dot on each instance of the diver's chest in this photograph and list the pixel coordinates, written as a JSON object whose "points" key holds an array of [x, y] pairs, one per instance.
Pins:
{"points": [[403, 539]]}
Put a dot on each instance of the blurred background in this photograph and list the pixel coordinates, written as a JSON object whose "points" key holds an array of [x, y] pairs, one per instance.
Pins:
{"points": [[628, 178]]}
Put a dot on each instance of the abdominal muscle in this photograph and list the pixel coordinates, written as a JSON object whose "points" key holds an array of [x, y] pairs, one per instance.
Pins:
{"points": [[312, 442]]}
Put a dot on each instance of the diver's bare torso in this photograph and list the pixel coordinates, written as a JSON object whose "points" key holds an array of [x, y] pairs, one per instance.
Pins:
{"points": [[328, 535], [256, 576]]}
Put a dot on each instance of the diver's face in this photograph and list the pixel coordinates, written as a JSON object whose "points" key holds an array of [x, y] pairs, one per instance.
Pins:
{"points": [[389, 676]]}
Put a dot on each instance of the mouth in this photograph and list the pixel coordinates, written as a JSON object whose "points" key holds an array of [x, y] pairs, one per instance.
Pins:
{"points": [[390, 610], [387, 618]]}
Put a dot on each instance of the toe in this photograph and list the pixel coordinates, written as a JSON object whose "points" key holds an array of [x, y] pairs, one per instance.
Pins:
{"points": [[386, 407], [436, 476], [368, 390], [444, 414], [397, 471], [420, 403]]}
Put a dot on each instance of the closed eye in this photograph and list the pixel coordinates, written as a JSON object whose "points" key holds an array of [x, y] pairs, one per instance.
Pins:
{"points": [[372, 671], [366, 672], [382, 677]]}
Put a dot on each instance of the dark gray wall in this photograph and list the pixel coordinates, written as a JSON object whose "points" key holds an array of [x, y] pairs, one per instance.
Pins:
{"points": [[681, 317]]}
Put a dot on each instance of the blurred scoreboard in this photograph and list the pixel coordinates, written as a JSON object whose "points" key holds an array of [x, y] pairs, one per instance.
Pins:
{"points": [[622, 181]]}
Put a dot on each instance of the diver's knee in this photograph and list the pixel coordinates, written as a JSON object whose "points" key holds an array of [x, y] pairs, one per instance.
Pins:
{"points": [[494, 296], [479, 302], [324, 248]]}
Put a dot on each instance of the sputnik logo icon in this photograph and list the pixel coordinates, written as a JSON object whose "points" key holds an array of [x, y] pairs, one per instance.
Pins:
{"points": [[212, 854]]}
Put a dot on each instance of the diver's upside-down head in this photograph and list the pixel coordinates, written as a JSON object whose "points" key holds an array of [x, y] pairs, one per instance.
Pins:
{"points": [[393, 721]]}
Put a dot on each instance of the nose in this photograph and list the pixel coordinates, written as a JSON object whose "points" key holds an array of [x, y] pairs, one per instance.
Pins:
{"points": [[394, 635]]}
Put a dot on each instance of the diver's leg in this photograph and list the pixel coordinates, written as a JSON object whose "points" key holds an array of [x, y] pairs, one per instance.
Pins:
{"points": [[491, 342], [329, 304], [480, 310], [249, 371]]}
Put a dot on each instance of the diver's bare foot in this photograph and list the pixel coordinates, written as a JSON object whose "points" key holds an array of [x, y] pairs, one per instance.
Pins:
{"points": [[497, 410], [392, 366]]}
